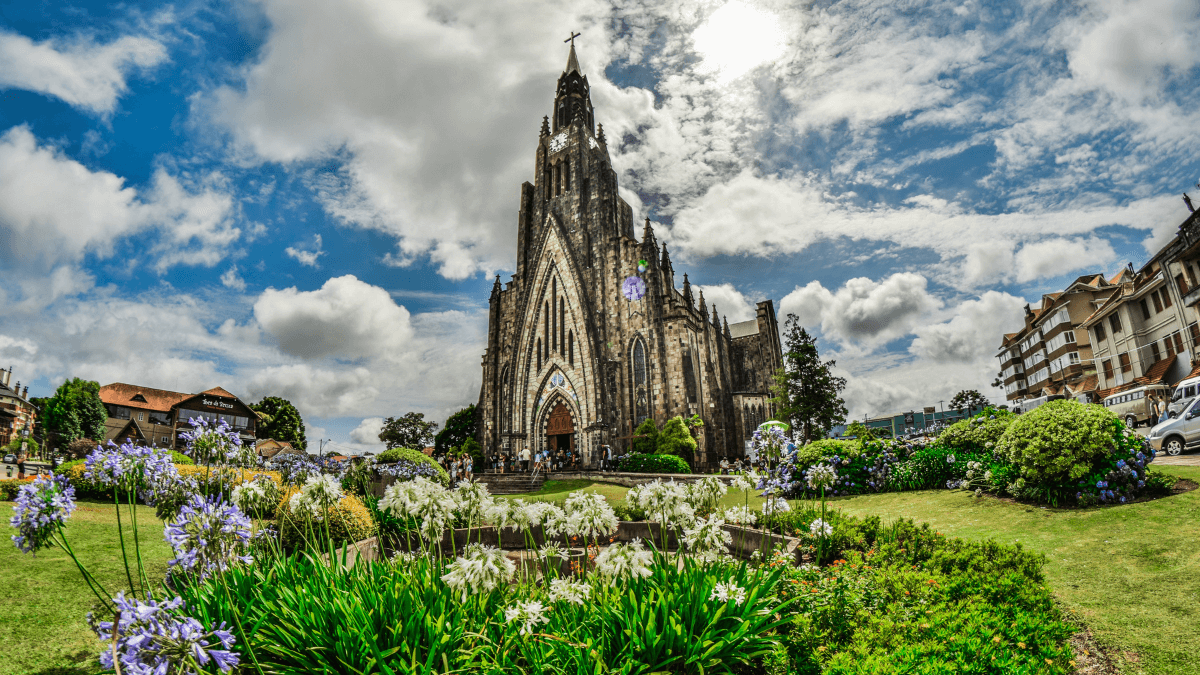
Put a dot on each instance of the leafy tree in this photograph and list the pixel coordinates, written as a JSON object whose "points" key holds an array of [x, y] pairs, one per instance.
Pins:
{"points": [[694, 423], [806, 392], [459, 427], [75, 411], [473, 448], [860, 431], [676, 439], [967, 399], [280, 420], [409, 431], [645, 437]]}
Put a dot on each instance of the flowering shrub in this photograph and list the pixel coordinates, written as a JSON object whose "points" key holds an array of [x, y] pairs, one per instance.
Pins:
{"points": [[10, 487], [156, 637], [42, 506], [413, 463], [979, 434], [637, 463], [346, 519], [1060, 441]]}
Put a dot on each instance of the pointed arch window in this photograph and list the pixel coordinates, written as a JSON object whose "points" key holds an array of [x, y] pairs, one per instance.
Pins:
{"points": [[571, 348], [562, 323], [567, 175], [539, 353], [639, 374]]}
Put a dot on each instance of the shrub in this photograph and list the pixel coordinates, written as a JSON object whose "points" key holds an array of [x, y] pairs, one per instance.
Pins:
{"points": [[84, 487], [654, 464], [826, 447], [80, 447], [978, 434], [1059, 441], [416, 456], [9, 487], [645, 440], [180, 458], [932, 467], [675, 439], [348, 520]]}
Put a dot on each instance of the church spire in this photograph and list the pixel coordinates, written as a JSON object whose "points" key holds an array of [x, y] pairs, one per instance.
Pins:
{"points": [[666, 258], [573, 100], [648, 234], [687, 291], [545, 125], [728, 335], [716, 321], [572, 61], [703, 307]]}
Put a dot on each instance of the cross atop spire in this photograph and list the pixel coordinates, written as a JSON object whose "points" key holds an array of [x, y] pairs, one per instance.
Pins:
{"points": [[572, 60]]}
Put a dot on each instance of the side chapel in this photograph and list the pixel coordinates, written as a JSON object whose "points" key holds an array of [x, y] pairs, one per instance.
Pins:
{"points": [[573, 361]]}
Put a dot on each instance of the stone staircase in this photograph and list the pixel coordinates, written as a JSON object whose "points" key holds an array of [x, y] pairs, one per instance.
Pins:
{"points": [[510, 483]]}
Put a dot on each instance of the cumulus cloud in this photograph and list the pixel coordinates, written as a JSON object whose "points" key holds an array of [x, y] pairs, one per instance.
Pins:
{"points": [[345, 318], [862, 310], [1053, 257], [81, 72], [231, 279], [55, 211], [729, 302], [367, 432], [973, 334]]}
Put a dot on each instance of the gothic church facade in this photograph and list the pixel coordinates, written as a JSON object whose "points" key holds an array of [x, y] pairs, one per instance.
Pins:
{"points": [[572, 361]]}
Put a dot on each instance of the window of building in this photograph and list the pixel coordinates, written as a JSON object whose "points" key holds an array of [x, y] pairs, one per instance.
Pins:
{"points": [[1170, 348], [119, 412], [1154, 351], [1146, 307], [141, 417], [165, 440], [1099, 328], [539, 353], [1182, 284], [567, 175], [571, 348], [1126, 366], [1194, 331], [1166, 297], [1158, 307], [1108, 369], [1114, 322], [1178, 342], [640, 378]]}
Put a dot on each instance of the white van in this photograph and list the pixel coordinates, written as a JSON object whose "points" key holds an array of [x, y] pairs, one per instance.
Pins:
{"points": [[1134, 405], [1185, 391]]}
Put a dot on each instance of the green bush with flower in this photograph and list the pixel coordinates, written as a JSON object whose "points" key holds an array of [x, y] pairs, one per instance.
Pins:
{"points": [[654, 464], [978, 434], [397, 455]]}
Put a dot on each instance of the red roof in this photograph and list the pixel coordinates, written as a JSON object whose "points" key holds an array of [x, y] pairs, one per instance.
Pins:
{"points": [[119, 393], [217, 391]]}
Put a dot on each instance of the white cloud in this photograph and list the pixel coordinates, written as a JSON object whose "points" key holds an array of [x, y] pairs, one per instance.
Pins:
{"points": [[1052, 257], [231, 279], [304, 256], [345, 318], [54, 211], [729, 302], [862, 310], [367, 431], [974, 332], [84, 74]]}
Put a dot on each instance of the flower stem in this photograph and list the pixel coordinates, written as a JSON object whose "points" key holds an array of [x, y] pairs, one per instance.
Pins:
{"points": [[92, 582], [121, 536]]}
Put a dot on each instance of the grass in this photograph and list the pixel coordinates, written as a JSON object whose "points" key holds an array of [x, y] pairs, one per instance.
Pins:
{"points": [[44, 599], [1130, 573]]}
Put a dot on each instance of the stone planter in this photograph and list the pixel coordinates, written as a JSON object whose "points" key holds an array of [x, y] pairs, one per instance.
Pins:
{"points": [[648, 532], [747, 540]]}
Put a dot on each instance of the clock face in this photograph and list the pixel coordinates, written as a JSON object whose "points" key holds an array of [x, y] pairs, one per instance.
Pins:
{"points": [[634, 288], [558, 142]]}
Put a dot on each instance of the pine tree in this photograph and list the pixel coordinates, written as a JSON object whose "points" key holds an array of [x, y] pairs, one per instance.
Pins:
{"points": [[806, 393]]}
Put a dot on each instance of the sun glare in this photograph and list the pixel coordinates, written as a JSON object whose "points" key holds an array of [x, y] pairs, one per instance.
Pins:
{"points": [[736, 38]]}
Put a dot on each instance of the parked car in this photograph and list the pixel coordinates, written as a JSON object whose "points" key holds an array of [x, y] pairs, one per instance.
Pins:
{"points": [[1184, 391], [1178, 433], [1134, 405], [10, 459]]}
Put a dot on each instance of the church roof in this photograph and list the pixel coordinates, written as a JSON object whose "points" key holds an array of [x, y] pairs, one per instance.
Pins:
{"points": [[743, 328]]}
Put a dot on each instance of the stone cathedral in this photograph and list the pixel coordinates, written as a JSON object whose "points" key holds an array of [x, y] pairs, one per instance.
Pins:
{"points": [[591, 335]]}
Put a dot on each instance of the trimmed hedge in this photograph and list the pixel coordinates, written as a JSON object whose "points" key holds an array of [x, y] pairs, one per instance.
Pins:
{"points": [[654, 464], [1059, 441], [416, 456], [978, 434], [349, 520]]}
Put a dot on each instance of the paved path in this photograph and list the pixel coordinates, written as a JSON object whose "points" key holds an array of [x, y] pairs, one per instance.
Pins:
{"points": [[1190, 459]]}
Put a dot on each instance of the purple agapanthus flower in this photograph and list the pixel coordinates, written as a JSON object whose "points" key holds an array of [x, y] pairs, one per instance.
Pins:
{"points": [[209, 535], [40, 508], [215, 442], [156, 638], [128, 466]]}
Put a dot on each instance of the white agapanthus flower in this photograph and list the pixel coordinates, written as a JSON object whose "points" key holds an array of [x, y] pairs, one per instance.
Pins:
{"points": [[821, 475], [473, 500], [324, 489], [574, 592], [729, 592], [775, 505], [624, 561], [740, 515], [708, 535], [421, 499], [256, 495], [666, 503], [590, 515], [527, 614], [820, 528], [480, 569], [552, 550], [706, 493], [300, 505]]}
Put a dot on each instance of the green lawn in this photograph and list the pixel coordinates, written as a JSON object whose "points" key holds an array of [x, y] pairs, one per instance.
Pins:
{"points": [[1131, 573], [44, 599]]}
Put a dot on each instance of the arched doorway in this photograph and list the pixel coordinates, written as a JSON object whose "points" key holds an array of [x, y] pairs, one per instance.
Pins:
{"points": [[560, 429]]}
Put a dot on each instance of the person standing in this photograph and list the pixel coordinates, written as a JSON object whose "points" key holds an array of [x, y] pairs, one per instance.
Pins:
{"points": [[525, 456]]}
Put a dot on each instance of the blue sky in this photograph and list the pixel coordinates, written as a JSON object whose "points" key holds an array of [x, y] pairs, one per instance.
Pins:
{"points": [[309, 198]]}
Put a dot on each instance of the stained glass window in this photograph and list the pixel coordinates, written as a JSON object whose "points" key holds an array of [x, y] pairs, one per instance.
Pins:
{"points": [[641, 397]]}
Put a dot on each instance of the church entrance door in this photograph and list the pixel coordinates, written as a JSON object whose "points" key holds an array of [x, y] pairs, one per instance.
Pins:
{"points": [[560, 429]]}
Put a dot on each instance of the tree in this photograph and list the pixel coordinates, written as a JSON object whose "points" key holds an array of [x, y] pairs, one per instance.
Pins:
{"points": [[410, 431], [676, 439], [75, 411], [806, 393], [693, 424], [459, 427], [280, 420], [967, 399], [645, 437]]}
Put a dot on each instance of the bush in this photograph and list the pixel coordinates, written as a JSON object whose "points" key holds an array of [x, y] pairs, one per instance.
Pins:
{"points": [[978, 434], [826, 447], [348, 521], [654, 464], [84, 487], [9, 487], [180, 458], [932, 467], [675, 439], [645, 440], [80, 447], [416, 456], [1059, 442]]}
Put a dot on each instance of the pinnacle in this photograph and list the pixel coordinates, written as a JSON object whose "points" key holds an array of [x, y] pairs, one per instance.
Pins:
{"points": [[573, 62]]}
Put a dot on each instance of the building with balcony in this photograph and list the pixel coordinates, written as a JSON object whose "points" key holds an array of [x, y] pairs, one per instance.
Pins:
{"points": [[157, 417], [17, 414], [1049, 355]]}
